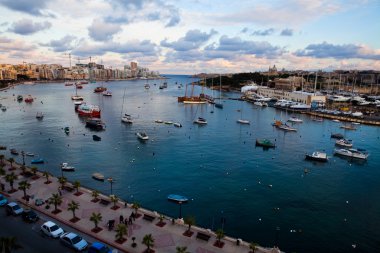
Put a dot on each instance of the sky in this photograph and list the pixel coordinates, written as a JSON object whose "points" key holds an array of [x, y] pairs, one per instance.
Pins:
{"points": [[193, 36]]}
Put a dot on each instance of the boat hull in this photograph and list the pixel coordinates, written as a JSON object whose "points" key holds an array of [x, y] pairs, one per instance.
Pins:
{"points": [[313, 158]]}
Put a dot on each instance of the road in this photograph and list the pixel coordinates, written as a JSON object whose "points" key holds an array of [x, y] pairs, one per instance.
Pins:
{"points": [[30, 237]]}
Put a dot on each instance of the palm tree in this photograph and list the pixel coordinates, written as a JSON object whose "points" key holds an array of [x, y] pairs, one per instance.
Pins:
{"points": [[23, 169], [114, 200], [10, 178], [181, 249], [95, 195], [1, 159], [46, 175], [7, 244], [219, 235], [34, 170], [76, 185], [121, 230], [96, 218], [148, 241], [190, 221], [136, 206], [11, 161], [2, 173], [253, 247], [24, 185], [73, 206], [62, 181], [56, 200]]}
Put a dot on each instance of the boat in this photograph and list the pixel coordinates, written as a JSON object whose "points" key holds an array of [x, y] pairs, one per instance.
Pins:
{"points": [[352, 153], [348, 127], [317, 119], [278, 124], [338, 98], [344, 143], [107, 93], [3, 148], [317, 156], [337, 136], [147, 86], [69, 83], [336, 120], [177, 124], [96, 138], [97, 176], [29, 99], [95, 124], [265, 143], [78, 86], [39, 115], [200, 121], [243, 121], [259, 103], [37, 161], [3, 108], [67, 130], [220, 105], [77, 104], [100, 89], [168, 122], [177, 198], [300, 106], [357, 114], [159, 121], [191, 99], [77, 98], [127, 119], [295, 120], [14, 151], [89, 110], [66, 167], [19, 98], [29, 154], [142, 136]]}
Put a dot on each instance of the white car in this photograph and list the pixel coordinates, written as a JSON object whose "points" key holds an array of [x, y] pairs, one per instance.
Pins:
{"points": [[51, 229], [74, 241]]}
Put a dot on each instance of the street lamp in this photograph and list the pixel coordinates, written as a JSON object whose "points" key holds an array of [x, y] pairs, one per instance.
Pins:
{"points": [[180, 209], [111, 181]]}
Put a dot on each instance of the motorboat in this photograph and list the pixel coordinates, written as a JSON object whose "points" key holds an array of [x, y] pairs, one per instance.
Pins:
{"points": [[3, 108], [67, 167], [265, 143], [77, 104], [100, 89], [67, 130], [127, 119], [95, 124], [344, 143], [258, 103], [295, 120], [177, 124], [200, 121], [159, 121], [300, 106], [147, 86], [69, 84], [13, 151], [317, 156], [357, 114], [337, 136], [177, 198], [77, 98], [168, 122], [37, 161], [142, 136], [29, 154], [97, 176], [352, 153], [348, 127], [39, 115], [19, 98], [338, 98], [29, 99], [89, 110], [96, 138], [243, 121], [317, 119], [107, 93]]}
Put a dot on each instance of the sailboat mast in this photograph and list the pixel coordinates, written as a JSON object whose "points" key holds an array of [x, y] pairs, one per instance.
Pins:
{"points": [[315, 84]]}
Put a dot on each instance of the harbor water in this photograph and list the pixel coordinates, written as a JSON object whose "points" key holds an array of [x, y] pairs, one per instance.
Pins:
{"points": [[263, 196]]}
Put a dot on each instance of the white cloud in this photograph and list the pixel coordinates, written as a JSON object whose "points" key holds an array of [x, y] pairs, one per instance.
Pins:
{"points": [[102, 31]]}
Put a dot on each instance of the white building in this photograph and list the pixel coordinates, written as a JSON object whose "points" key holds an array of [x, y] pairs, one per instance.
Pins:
{"points": [[296, 96]]}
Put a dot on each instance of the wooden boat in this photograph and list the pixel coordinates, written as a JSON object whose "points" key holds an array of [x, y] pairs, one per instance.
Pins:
{"points": [[37, 161], [97, 176], [142, 136], [96, 138], [177, 198], [265, 143], [317, 156], [14, 151], [66, 167]]}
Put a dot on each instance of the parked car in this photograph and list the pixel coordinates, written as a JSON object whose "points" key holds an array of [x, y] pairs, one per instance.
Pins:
{"points": [[51, 229], [30, 216], [39, 202], [3, 200], [98, 247], [74, 241], [13, 208]]}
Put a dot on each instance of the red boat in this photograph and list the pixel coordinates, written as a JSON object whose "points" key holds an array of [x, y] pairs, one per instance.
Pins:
{"points": [[100, 89], [29, 99], [89, 110], [79, 86]]}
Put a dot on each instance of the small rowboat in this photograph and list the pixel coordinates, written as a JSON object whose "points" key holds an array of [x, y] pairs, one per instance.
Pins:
{"points": [[177, 198], [97, 176]]}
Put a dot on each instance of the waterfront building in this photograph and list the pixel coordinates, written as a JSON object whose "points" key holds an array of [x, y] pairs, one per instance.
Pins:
{"points": [[296, 96]]}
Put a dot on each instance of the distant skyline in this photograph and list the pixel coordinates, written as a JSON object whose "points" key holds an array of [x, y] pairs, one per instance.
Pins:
{"points": [[192, 36]]}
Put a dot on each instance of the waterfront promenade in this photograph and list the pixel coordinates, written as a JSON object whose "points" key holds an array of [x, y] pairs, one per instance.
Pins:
{"points": [[166, 238]]}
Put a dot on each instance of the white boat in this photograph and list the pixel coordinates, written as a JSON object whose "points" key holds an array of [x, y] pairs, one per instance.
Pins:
{"points": [[177, 124], [352, 153], [287, 128], [258, 103], [147, 86], [39, 115], [317, 156], [336, 120], [98, 176], [243, 121], [76, 98], [295, 120], [357, 114], [338, 98], [364, 103], [142, 136], [107, 93], [344, 143], [29, 154], [300, 106], [127, 119], [66, 167], [200, 121], [159, 121], [168, 122]]}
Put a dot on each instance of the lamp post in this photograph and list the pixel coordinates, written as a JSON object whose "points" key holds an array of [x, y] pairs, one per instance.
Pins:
{"points": [[180, 209], [110, 180]]}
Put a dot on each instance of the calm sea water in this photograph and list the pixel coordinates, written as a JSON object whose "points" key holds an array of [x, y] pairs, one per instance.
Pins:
{"points": [[217, 166]]}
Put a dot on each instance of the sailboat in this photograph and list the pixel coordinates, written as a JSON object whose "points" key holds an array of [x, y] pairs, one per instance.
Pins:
{"points": [[191, 99], [147, 86], [76, 97], [241, 120], [126, 118], [220, 105]]}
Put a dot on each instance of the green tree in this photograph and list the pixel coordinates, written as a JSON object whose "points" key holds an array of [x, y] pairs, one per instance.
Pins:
{"points": [[10, 178], [181, 249], [96, 218], [8, 244], [76, 185], [219, 234], [34, 170], [95, 195], [11, 161], [24, 185], [46, 175], [253, 247], [136, 206], [73, 206], [114, 200], [56, 200], [23, 169], [121, 230], [148, 241], [62, 181], [190, 221]]}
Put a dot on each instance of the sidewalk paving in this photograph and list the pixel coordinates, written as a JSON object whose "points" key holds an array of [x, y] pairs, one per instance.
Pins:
{"points": [[166, 238]]}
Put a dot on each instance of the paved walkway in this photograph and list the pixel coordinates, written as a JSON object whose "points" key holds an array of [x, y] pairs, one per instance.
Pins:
{"points": [[166, 238]]}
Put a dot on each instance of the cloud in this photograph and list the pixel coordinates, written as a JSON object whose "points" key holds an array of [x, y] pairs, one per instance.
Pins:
{"points": [[27, 27], [174, 19], [116, 20], [32, 7], [103, 31], [287, 32], [13, 45], [345, 51], [61, 45], [266, 32], [192, 40], [244, 30]]}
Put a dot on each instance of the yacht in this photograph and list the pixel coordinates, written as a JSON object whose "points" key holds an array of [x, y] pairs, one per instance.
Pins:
{"points": [[317, 156], [344, 143], [200, 121], [300, 106], [127, 119], [243, 121], [338, 98], [142, 136], [66, 167], [295, 120], [352, 153]]}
